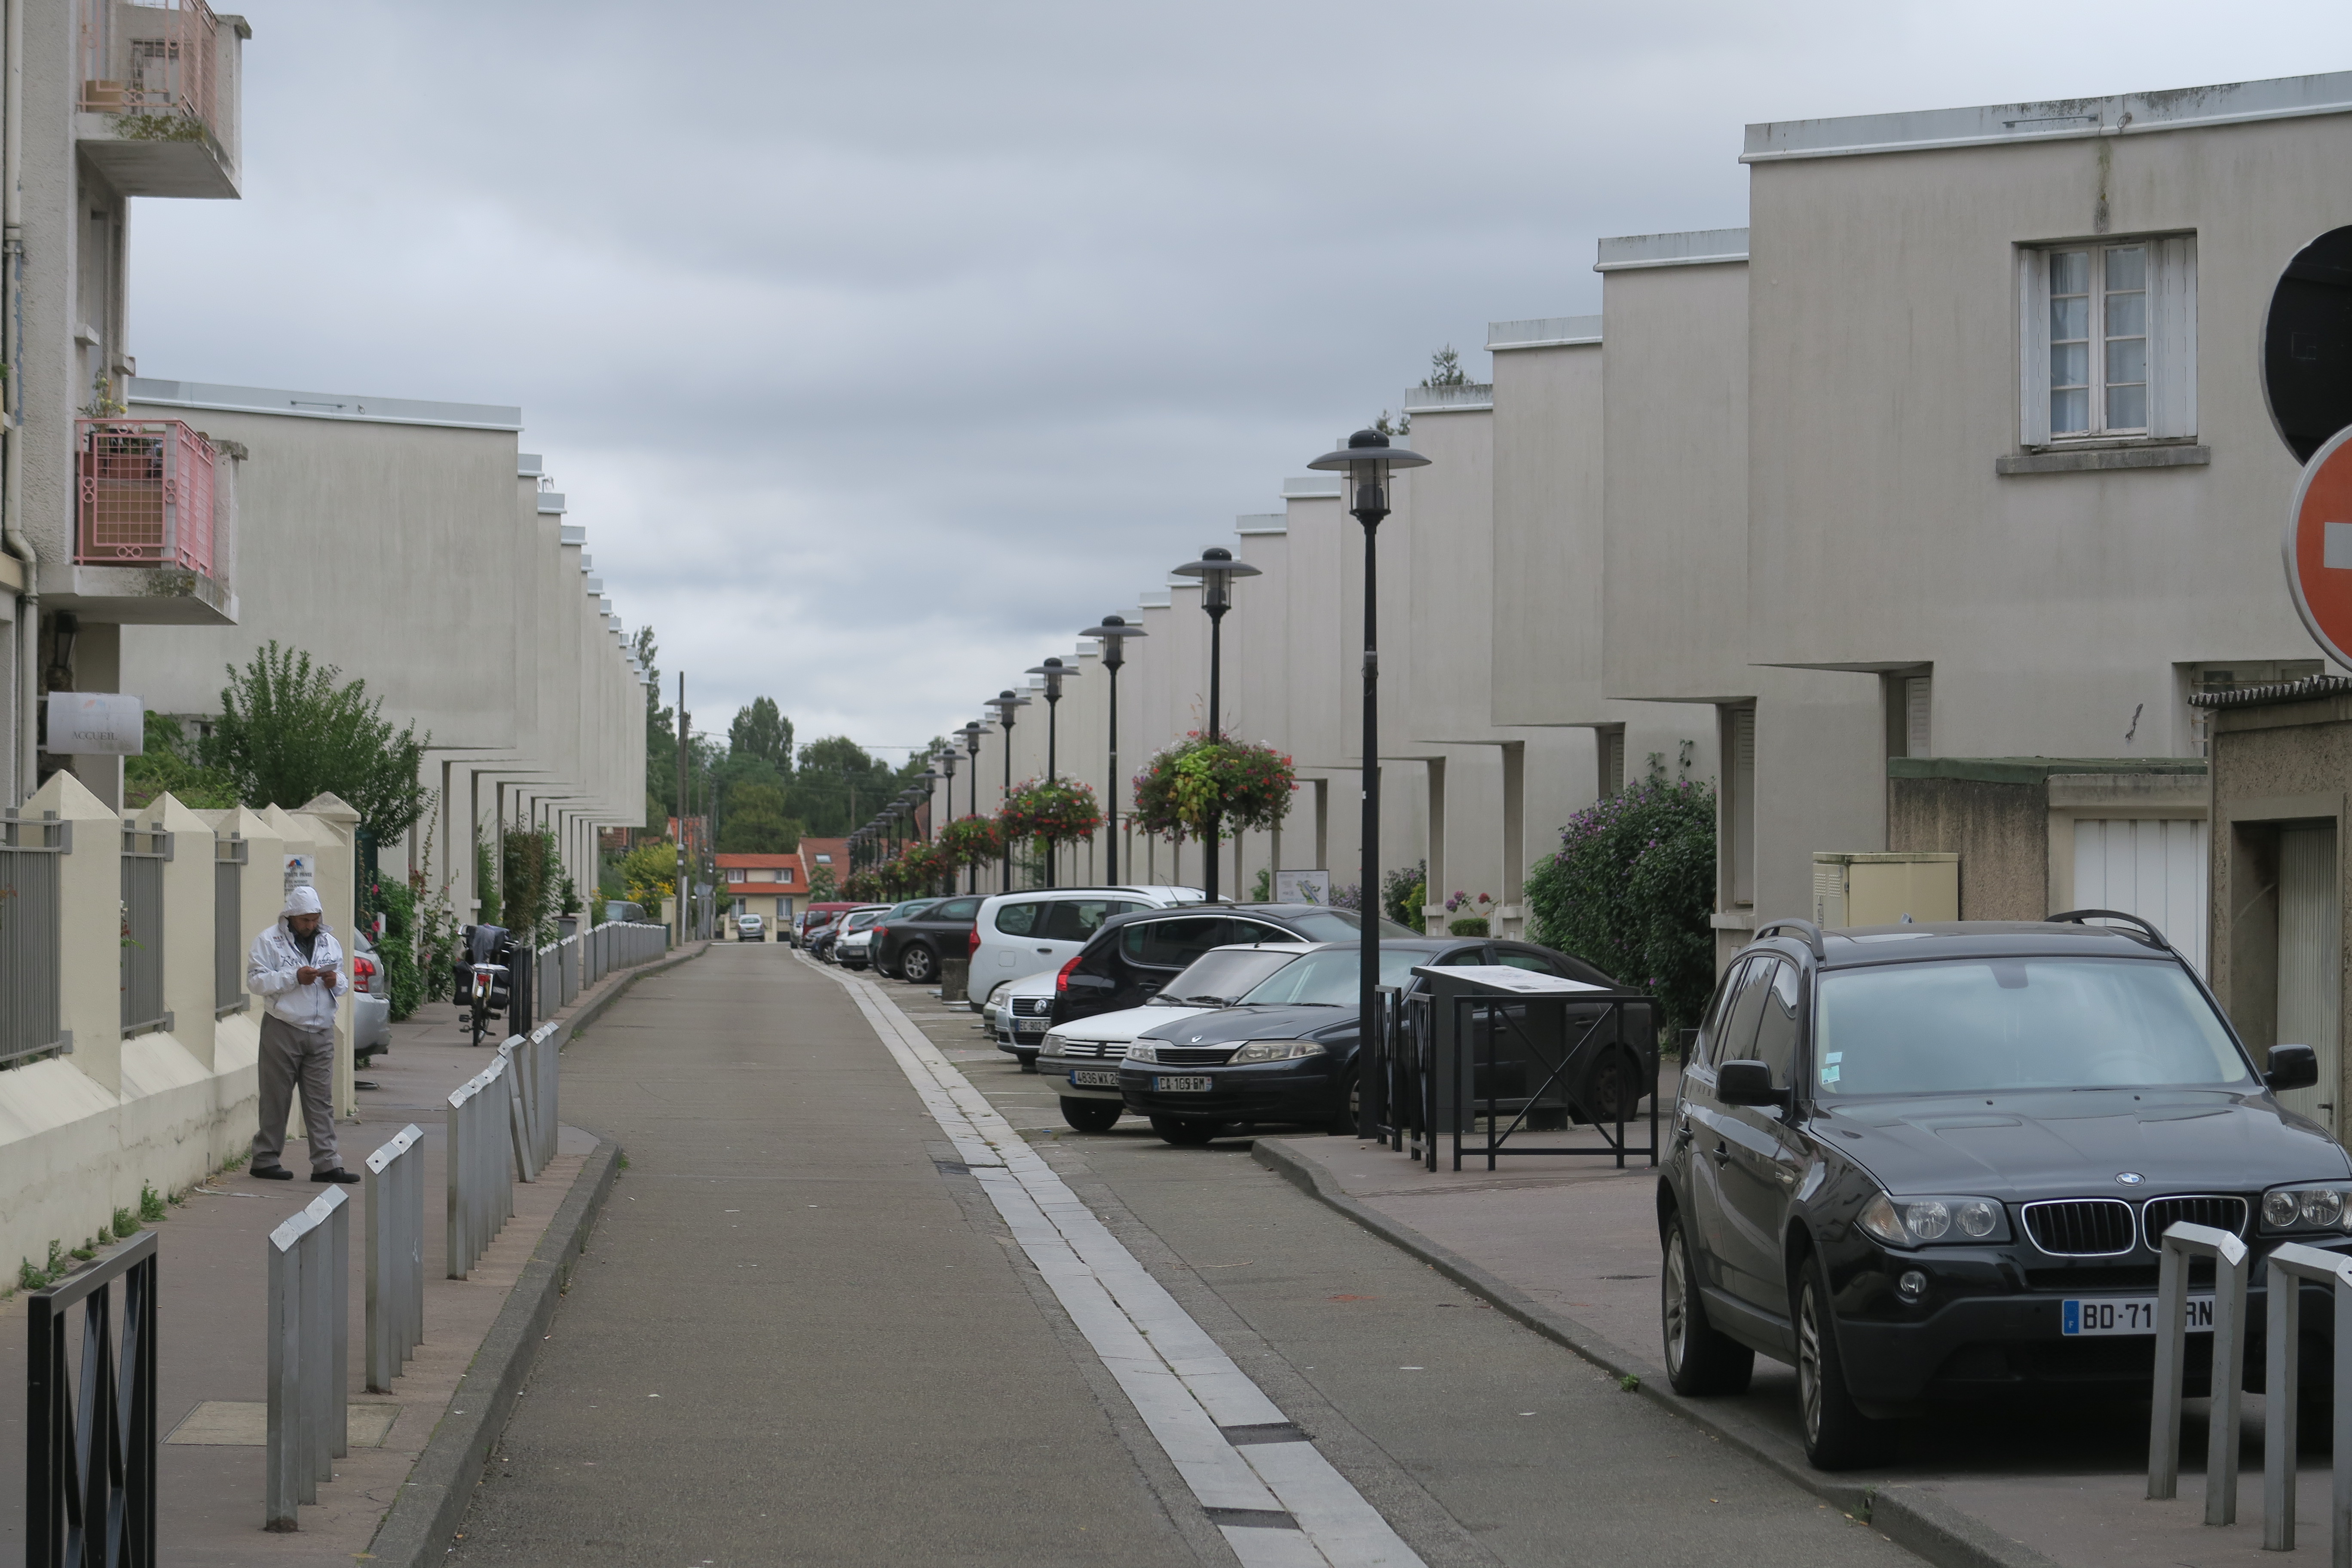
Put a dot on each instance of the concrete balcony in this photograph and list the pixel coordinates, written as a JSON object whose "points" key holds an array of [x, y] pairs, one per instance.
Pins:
{"points": [[147, 523], [158, 109]]}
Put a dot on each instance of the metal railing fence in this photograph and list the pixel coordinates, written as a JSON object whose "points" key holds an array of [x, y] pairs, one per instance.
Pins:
{"points": [[480, 1163], [146, 852], [91, 1436], [395, 1184], [229, 857], [309, 1342], [150, 57], [1467, 1080], [31, 944], [144, 495]]}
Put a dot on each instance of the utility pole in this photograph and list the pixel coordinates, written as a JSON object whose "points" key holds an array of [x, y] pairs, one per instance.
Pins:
{"points": [[679, 895]]}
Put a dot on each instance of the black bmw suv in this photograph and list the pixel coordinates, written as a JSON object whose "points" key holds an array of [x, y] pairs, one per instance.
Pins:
{"points": [[1931, 1162]]}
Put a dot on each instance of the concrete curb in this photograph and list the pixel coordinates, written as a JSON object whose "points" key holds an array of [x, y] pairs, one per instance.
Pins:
{"points": [[432, 1503], [1913, 1517], [582, 1019]]}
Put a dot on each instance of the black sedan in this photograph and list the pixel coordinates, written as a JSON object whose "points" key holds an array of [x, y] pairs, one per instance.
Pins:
{"points": [[1933, 1163], [1287, 1052], [910, 943]]}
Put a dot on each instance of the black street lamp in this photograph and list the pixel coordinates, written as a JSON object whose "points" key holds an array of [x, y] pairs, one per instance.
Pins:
{"points": [[922, 789], [1112, 634], [1216, 569], [946, 764], [972, 734], [1368, 459], [1005, 702], [1053, 670]]}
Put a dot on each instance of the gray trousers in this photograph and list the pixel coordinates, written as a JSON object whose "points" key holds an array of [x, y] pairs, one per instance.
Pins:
{"points": [[290, 1056]]}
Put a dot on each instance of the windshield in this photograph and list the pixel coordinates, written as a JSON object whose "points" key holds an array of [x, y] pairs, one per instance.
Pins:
{"points": [[1328, 979], [861, 919], [1220, 978], [1339, 925], [1980, 1026]]}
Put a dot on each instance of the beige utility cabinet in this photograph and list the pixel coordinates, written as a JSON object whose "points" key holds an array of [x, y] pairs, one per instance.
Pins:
{"points": [[1880, 889]]}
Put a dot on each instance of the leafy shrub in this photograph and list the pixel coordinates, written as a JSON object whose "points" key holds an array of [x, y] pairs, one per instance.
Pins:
{"points": [[151, 1203], [1404, 893], [649, 872], [1631, 889], [396, 949], [126, 1224]]}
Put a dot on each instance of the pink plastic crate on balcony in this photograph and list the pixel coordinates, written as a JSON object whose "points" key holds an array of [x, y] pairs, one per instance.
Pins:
{"points": [[144, 495]]}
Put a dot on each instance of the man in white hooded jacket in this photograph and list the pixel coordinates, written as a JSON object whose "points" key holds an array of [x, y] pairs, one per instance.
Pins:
{"points": [[296, 967]]}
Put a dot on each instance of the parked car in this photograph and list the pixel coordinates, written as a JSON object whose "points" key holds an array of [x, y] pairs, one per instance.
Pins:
{"points": [[370, 1003], [1932, 1163], [905, 910], [819, 920], [1017, 934], [1085, 1059], [623, 909], [910, 946], [851, 945], [1287, 1052], [751, 928], [1134, 958], [1017, 1015]]}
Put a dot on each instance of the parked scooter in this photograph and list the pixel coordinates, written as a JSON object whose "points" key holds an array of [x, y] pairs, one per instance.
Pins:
{"points": [[482, 975]]}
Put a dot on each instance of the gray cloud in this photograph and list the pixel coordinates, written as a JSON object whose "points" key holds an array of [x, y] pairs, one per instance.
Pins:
{"points": [[880, 347]]}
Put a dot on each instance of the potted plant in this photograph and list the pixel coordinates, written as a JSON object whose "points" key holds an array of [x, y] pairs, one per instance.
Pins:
{"points": [[1242, 784], [1049, 813]]}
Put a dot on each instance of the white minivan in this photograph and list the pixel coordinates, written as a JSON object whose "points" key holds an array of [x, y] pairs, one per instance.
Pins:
{"points": [[1018, 935]]}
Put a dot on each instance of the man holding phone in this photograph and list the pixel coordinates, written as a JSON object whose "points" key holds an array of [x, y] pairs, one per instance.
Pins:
{"points": [[296, 967]]}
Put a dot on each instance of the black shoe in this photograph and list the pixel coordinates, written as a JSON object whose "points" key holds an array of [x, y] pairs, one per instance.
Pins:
{"points": [[337, 1175], [272, 1172]]}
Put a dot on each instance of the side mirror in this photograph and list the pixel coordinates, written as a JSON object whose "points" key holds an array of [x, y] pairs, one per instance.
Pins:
{"points": [[1748, 1083], [2293, 1066]]}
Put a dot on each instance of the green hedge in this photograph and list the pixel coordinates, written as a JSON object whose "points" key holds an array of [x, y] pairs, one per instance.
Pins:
{"points": [[1630, 889]]}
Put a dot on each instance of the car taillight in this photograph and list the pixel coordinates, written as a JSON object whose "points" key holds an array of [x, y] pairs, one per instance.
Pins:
{"points": [[363, 971], [971, 943], [1062, 981]]}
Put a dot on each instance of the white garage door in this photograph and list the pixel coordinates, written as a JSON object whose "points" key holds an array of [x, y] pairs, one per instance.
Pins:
{"points": [[2154, 868]]}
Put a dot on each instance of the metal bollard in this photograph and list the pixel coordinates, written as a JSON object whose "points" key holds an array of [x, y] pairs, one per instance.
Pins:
{"points": [[480, 1163], [2290, 1265], [519, 1108], [2181, 1243], [308, 1423], [394, 1178]]}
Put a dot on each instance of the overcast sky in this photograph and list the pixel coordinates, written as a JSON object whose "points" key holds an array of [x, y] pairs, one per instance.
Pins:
{"points": [[881, 346]]}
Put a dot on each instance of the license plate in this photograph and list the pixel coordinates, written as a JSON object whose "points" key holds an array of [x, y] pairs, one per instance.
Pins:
{"points": [[1095, 1078], [2130, 1315], [1024, 1027], [1191, 1084]]}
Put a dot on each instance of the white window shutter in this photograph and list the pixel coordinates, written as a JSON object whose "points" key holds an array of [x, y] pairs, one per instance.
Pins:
{"points": [[2172, 338], [2033, 348]]}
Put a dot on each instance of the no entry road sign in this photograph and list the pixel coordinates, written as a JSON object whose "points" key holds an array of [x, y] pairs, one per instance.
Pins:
{"points": [[2319, 547]]}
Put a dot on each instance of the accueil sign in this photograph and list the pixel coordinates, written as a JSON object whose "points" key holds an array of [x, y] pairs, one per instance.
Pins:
{"points": [[97, 723]]}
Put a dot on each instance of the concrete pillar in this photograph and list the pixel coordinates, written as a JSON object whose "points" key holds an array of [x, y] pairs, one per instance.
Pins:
{"points": [[1433, 895], [90, 919], [187, 924], [1511, 914]]}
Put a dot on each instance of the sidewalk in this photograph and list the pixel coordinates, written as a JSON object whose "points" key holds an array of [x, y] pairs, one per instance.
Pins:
{"points": [[1570, 1246], [213, 1316]]}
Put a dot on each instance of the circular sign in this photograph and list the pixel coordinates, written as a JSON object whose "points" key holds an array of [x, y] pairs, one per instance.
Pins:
{"points": [[2319, 548], [2307, 345]]}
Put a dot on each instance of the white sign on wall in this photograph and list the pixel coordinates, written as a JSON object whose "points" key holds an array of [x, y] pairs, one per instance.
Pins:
{"points": [[97, 723], [301, 872], [1302, 887]]}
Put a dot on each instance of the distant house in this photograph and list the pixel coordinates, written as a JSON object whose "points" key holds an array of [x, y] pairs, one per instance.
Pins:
{"points": [[767, 886]]}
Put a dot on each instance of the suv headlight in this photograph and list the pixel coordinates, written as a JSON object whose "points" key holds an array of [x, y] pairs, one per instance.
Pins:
{"points": [[1274, 1052], [1141, 1051], [1922, 1222], [2308, 1206]]}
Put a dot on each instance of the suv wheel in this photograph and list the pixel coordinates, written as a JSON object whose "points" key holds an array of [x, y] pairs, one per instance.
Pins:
{"points": [[917, 965], [1699, 1361], [1091, 1115], [1184, 1131], [1838, 1435], [1615, 1083]]}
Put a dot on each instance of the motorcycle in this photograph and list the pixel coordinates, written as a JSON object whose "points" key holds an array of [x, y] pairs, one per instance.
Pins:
{"points": [[482, 992]]}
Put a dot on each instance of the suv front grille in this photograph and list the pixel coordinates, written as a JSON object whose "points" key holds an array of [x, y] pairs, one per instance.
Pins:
{"points": [[2223, 1212], [2081, 1227], [1032, 1007]]}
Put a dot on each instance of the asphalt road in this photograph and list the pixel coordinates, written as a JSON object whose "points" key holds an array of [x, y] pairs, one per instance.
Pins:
{"points": [[803, 1334]]}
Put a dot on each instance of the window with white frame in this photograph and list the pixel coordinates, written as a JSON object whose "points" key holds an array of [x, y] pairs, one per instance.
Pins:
{"points": [[2109, 348]]}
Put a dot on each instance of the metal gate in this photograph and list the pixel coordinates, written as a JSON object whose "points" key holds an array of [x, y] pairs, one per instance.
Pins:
{"points": [[31, 948], [144, 852]]}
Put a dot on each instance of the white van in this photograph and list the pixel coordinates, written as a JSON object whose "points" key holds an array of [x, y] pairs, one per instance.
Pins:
{"points": [[1018, 935]]}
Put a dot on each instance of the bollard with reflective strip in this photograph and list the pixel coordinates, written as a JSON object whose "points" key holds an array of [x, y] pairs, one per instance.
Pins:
{"points": [[394, 1178], [2181, 1243], [308, 1419]]}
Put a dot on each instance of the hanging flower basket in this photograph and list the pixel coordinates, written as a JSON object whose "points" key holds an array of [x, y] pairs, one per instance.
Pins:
{"points": [[921, 867], [971, 841], [1244, 784], [862, 887], [1049, 813]]}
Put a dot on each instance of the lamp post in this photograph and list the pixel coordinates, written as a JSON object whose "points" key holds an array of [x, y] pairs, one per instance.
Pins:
{"points": [[1112, 634], [1216, 569], [1054, 671], [972, 734], [923, 782], [1368, 459], [1005, 702]]}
